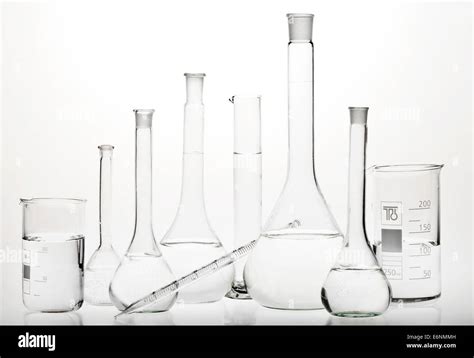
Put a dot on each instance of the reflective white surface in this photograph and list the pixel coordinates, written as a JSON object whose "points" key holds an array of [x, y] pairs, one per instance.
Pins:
{"points": [[234, 312]]}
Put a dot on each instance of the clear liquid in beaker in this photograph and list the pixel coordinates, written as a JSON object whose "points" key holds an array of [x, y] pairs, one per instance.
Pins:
{"points": [[185, 257], [287, 271], [53, 266]]}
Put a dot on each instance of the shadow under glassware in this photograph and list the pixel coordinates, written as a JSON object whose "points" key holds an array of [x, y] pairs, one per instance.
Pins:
{"points": [[53, 254]]}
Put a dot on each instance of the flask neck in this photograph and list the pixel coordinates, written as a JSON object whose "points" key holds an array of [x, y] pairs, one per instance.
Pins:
{"points": [[300, 112], [105, 195], [143, 238], [192, 191], [356, 200]]}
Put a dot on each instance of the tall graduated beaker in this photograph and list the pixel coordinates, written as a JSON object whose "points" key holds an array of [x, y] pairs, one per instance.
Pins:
{"points": [[247, 182], [406, 233], [53, 254], [301, 239]]}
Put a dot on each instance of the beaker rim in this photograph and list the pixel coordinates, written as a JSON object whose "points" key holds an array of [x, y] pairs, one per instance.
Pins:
{"points": [[405, 168], [52, 200], [299, 14], [245, 97], [195, 74]]}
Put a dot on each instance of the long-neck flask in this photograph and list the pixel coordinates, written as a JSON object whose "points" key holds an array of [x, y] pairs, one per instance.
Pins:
{"points": [[300, 239], [104, 261], [356, 286], [190, 241], [143, 268]]}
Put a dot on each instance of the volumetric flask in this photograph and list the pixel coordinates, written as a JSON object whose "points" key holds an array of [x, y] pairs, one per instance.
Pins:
{"points": [[356, 286], [104, 261], [406, 236], [143, 268], [247, 182], [53, 254], [301, 239], [191, 242]]}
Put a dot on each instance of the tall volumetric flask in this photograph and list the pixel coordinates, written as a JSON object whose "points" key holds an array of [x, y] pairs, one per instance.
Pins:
{"points": [[104, 261], [356, 286], [406, 236], [190, 241], [143, 268], [301, 239], [53, 254], [247, 182]]}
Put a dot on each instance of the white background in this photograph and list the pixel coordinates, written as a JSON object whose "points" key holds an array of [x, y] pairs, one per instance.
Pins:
{"points": [[73, 71]]}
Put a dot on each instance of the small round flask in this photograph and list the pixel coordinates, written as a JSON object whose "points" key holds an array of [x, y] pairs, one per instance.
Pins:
{"points": [[356, 286]]}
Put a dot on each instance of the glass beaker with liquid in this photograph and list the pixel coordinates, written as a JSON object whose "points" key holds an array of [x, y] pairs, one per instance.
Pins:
{"points": [[406, 236], [356, 285], [191, 242], [104, 261], [53, 254], [301, 239], [143, 268]]}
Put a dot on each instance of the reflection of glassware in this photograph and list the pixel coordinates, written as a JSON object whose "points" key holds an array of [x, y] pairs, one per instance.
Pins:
{"points": [[356, 286], [406, 235], [104, 261], [247, 182], [417, 313], [53, 254], [52, 319], [212, 313], [143, 267], [190, 241], [271, 317], [146, 319], [296, 250]]}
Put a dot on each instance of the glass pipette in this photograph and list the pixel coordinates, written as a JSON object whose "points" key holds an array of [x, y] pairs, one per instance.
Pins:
{"points": [[175, 286]]}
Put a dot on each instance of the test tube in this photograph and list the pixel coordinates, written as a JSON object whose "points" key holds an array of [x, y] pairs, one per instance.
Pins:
{"points": [[247, 182]]}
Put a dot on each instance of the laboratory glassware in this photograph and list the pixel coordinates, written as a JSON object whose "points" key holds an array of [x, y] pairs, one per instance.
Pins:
{"points": [[247, 182], [104, 261], [190, 242], [190, 278], [356, 285], [143, 267], [406, 236], [301, 239], [53, 254]]}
